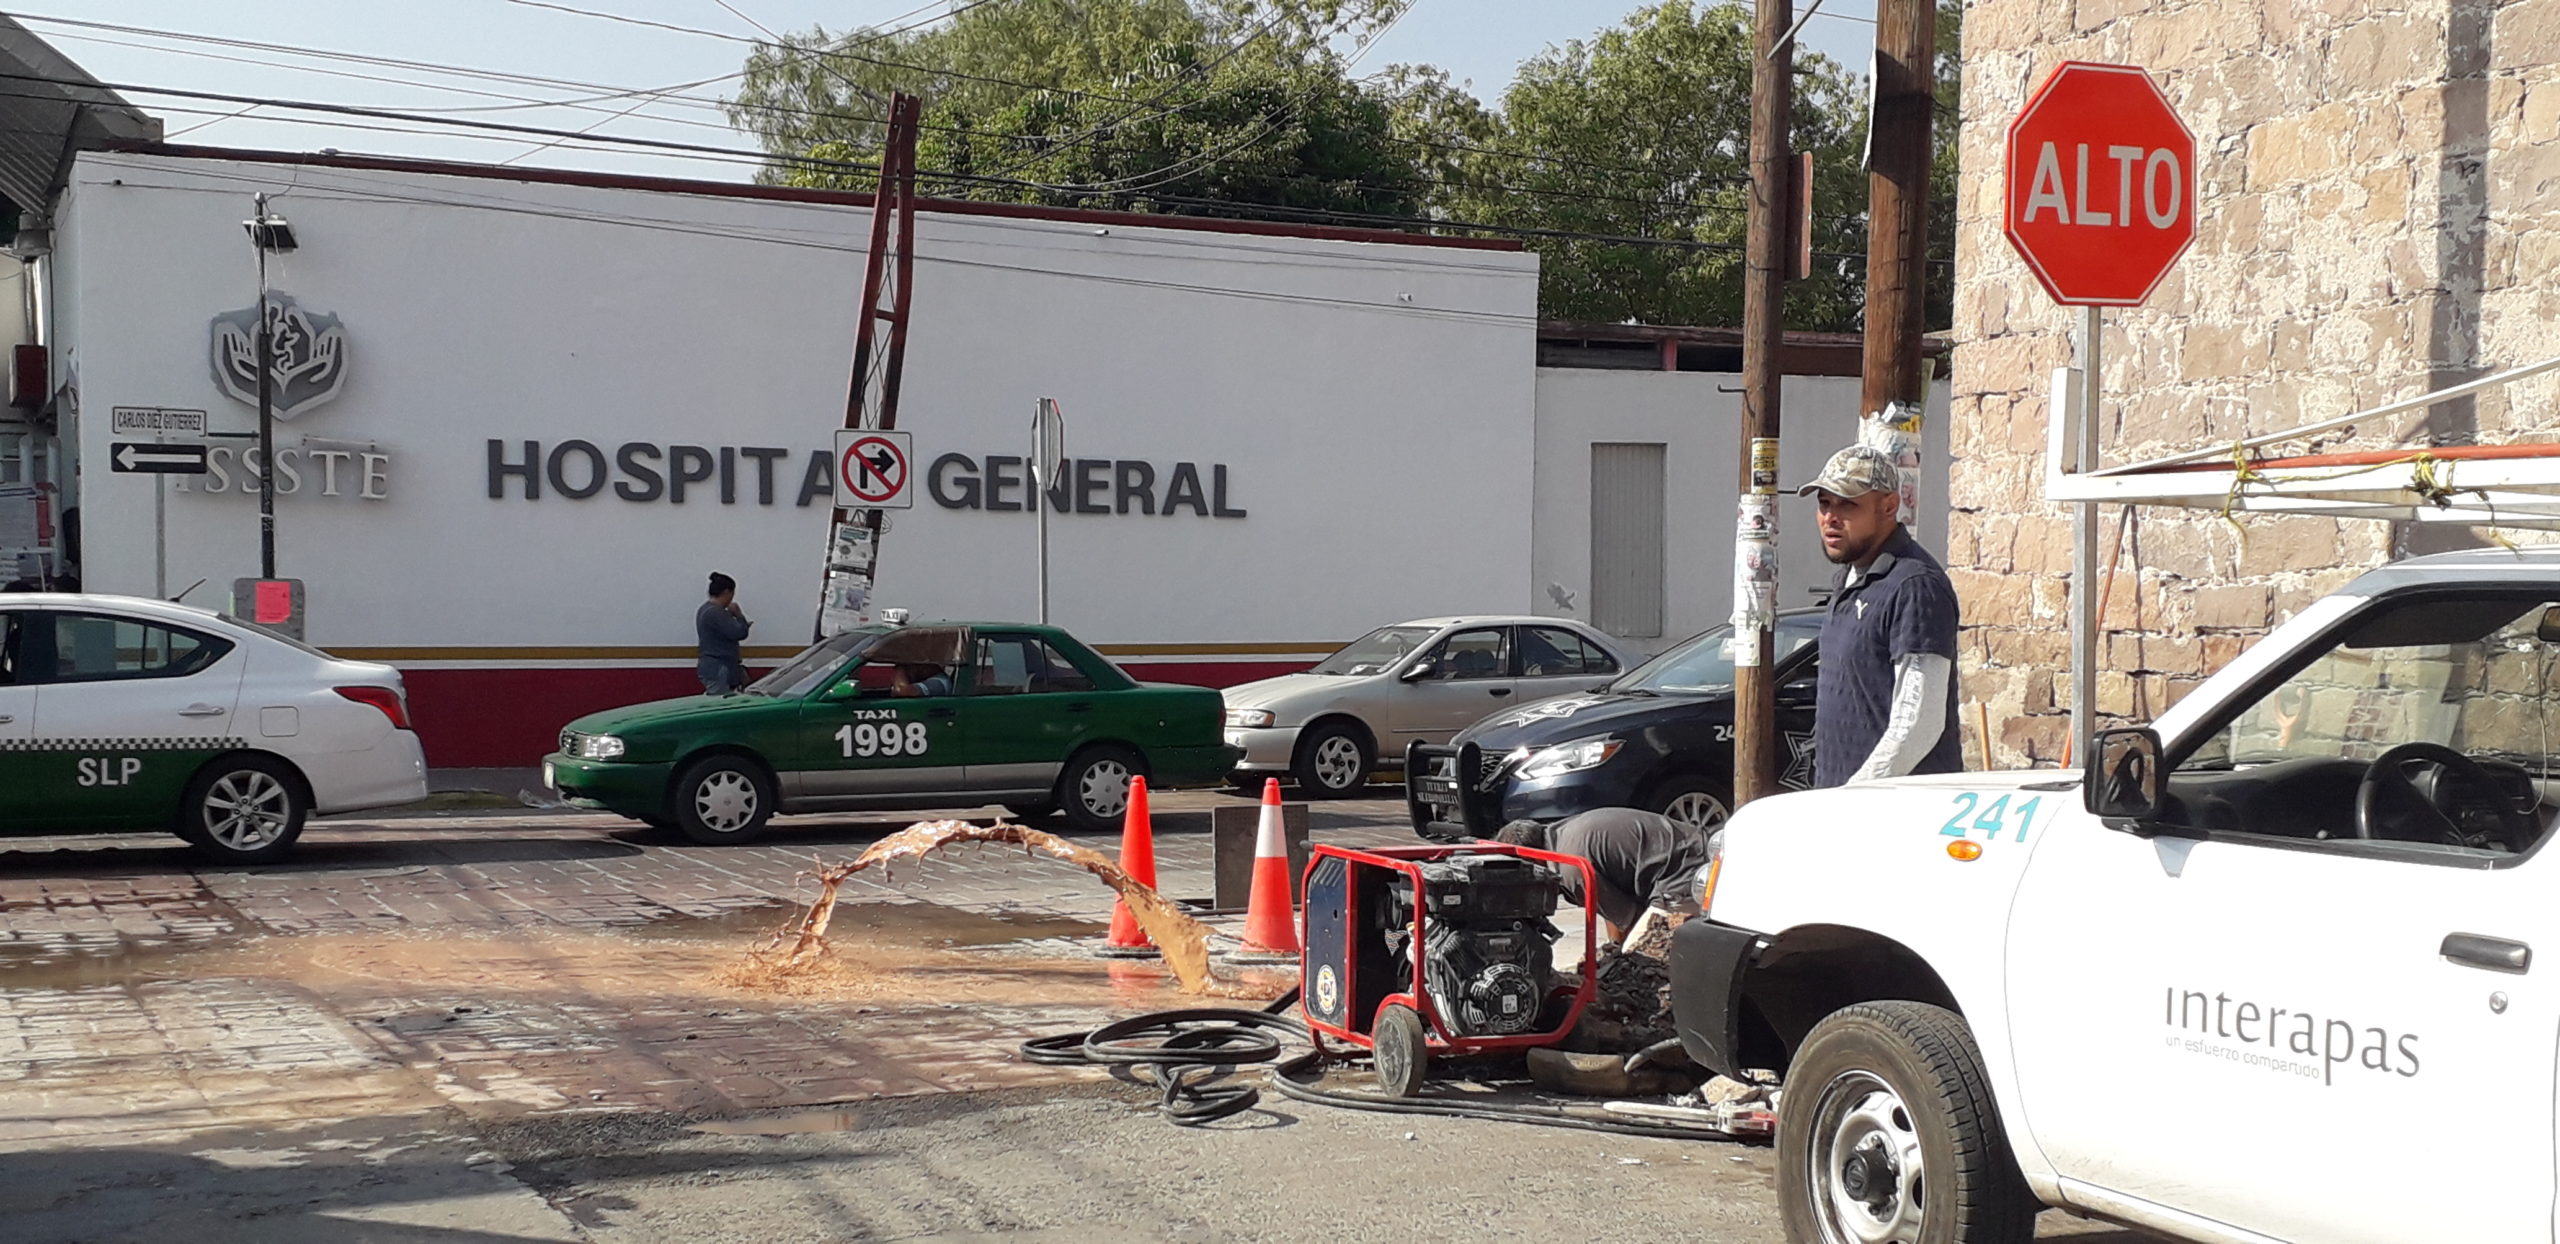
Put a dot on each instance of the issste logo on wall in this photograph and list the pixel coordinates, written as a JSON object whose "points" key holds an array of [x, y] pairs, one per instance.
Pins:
{"points": [[308, 355]]}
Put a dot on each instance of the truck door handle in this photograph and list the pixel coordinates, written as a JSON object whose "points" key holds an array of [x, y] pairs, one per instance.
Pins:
{"points": [[200, 710], [5, 719], [2494, 953]]}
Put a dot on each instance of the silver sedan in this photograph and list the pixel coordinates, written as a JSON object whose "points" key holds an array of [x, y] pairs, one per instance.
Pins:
{"points": [[1424, 680]]}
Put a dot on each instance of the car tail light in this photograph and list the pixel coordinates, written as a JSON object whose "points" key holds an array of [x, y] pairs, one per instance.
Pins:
{"points": [[384, 698]]}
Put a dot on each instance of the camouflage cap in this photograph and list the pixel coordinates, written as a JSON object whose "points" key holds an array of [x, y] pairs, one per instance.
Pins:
{"points": [[1855, 472]]}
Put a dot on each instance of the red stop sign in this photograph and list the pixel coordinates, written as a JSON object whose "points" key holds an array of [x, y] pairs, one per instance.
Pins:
{"points": [[2102, 185]]}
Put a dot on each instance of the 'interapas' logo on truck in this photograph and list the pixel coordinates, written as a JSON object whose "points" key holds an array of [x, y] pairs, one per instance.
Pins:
{"points": [[2210, 1024], [308, 355]]}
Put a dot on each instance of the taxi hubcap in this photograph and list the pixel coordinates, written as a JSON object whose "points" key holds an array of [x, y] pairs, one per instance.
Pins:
{"points": [[1105, 788], [1337, 762], [1698, 810], [247, 810], [725, 801], [1867, 1177]]}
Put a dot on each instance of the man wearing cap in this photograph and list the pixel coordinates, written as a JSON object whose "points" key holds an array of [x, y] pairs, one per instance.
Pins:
{"points": [[1886, 703]]}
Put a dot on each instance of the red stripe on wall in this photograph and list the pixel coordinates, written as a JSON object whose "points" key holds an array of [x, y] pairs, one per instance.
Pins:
{"points": [[511, 718]]}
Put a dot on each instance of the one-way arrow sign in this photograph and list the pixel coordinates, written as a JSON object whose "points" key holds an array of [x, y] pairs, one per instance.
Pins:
{"points": [[138, 458]]}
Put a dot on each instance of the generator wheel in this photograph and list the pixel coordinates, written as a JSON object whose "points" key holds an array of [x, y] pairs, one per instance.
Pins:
{"points": [[1397, 1052]]}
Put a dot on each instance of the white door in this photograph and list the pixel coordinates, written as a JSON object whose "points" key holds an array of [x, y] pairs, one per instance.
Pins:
{"points": [[115, 679], [2295, 1018], [1469, 675], [17, 691]]}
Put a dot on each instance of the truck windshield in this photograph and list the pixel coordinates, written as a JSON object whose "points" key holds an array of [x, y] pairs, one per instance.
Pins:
{"points": [[2472, 674], [1374, 652], [1701, 665], [801, 674]]}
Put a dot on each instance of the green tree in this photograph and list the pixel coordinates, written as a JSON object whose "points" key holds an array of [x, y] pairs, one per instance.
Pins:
{"points": [[1145, 104], [1639, 139]]}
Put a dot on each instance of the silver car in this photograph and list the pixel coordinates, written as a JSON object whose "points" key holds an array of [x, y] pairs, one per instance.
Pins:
{"points": [[1424, 680]]}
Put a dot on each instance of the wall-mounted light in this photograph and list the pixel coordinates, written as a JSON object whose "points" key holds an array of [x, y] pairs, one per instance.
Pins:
{"points": [[270, 232]]}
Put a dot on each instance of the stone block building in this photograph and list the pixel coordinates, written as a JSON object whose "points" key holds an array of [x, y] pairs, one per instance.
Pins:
{"points": [[2379, 195]]}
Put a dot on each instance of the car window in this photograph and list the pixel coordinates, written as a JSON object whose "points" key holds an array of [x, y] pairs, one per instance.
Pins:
{"points": [[95, 647], [1481, 653], [1546, 651], [1024, 665], [9, 647], [1700, 663], [1374, 652], [2467, 677], [814, 665]]}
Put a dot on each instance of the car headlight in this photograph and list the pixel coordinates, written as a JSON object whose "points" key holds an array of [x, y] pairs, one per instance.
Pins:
{"points": [[600, 747], [1250, 718], [1572, 757]]}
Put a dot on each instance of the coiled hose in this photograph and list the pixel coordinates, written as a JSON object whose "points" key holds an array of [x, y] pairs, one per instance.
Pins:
{"points": [[1177, 1052]]}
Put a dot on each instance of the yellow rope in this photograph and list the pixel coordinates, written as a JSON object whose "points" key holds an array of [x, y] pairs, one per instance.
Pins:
{"points": [[2430, 477]]}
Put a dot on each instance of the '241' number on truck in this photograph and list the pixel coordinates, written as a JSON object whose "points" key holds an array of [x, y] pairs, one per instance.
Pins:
{"points": [[885, 739], [1995, 818]]}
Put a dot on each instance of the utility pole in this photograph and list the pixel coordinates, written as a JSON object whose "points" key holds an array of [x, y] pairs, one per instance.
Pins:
{"points": [[1898, 138], [1765, 266]]}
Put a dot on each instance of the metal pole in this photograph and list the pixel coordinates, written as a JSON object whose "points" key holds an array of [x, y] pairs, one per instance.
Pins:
{"points": [[1040, 473], [1755, 707], [266, 415], [2084, 550], [160, 536]]}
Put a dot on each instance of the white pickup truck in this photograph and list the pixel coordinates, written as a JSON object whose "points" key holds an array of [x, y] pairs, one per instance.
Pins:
{"points": [[2262, 972]]}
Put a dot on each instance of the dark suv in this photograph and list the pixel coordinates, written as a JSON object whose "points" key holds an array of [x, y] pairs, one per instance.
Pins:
{"points": [[1659, 738]]}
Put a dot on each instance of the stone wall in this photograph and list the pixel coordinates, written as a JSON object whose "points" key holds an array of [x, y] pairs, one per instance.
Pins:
{"points": [[2379, 188]]}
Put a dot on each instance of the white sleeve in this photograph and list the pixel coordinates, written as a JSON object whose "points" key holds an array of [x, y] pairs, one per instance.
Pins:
{"points": [[1921, 684]]}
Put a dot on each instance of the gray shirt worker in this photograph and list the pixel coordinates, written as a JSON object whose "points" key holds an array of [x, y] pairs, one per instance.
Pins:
{"points": [[716, 633], [1885, 700], [1639, 859]]}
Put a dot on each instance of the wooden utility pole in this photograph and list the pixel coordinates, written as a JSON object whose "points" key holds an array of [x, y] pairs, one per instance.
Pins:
{"points": [[879, 361], [1765, 266], [1898, 217]]}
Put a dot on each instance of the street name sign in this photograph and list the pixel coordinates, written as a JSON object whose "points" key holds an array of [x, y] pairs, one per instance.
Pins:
{"points": [[2101, 185], [140, 458]]}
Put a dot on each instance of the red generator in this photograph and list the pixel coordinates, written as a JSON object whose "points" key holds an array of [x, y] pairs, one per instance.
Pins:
{"points": [[1447, 951]]}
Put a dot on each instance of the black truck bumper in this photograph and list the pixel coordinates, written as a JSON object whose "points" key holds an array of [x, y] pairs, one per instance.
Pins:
{"points": [[1707, 964]]}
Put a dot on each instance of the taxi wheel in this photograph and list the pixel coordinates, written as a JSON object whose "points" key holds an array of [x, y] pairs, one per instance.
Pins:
{"points": [[1094, 791], [1333, 762], [722, 799], [244, 809]]}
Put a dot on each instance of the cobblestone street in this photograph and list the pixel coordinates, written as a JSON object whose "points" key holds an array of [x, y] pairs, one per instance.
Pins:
{"points": [[510, 963]]}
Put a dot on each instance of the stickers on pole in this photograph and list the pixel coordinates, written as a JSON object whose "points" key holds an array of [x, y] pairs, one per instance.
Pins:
{"points": [[874, 470], [1755, 575]]}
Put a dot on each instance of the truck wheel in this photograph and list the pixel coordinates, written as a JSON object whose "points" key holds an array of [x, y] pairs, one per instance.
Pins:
{"points": [[243, 809], [1094, 790], [1397, 1052], [722, 799], [1333, 762], [1695, 802], [1887, 1132]]}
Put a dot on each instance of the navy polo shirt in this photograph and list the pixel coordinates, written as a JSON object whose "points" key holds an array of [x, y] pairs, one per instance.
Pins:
{"points": [[1902, 605]]}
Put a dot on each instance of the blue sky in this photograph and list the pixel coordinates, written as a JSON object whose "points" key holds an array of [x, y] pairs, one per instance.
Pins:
{"points": [[1478, 41]]}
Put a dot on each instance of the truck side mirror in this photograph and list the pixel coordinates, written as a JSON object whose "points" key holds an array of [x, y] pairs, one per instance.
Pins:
{"points": [[2123, 778], [2548, 629]]}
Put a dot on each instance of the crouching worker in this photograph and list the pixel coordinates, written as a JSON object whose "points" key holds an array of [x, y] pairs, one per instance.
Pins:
{"points": [[1644, 864]]}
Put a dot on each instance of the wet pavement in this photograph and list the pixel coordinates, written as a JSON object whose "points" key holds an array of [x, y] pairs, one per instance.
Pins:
{"points": [[476, 1026], [511, 963]]}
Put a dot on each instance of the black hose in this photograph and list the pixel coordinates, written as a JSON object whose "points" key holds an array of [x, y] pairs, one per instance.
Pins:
{"points": [[1172, 1050]]}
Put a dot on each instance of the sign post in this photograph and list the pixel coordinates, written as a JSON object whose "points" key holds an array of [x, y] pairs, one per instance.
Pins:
{"points": [[1048, 454], [2101, 203]]}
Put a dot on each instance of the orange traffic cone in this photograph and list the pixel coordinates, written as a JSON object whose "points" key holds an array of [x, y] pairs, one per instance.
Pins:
{"points": [[1138, 859], [1270, 918]]}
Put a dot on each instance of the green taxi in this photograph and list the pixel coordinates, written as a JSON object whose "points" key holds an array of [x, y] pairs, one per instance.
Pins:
{"points": [[949, 714]]}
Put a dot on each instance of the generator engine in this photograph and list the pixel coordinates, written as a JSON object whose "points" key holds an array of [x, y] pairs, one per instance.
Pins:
{"points": [[1488, 940]]}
